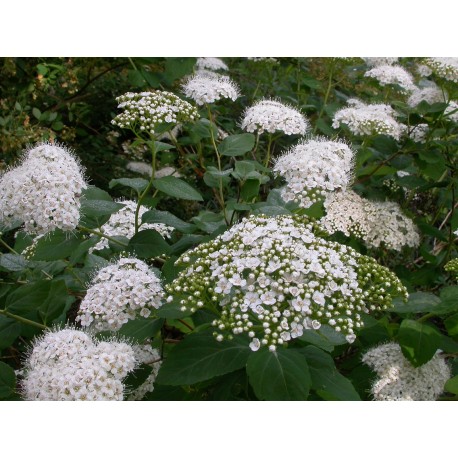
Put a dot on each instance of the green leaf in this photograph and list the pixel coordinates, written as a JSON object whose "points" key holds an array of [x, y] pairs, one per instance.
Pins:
{"points": [[138, 184], [282, 375], [326, 379], [164, 217], [56, 245], [148, 244], [451, 324], [95, 208], [418, 302], [213, 176], [250, 189], [200, 357], [13, 262], [312, 337], [36, 112], [141, 329], [177, 67], [209, 222], [452, 385], [10, 329], [7, 381], [419, 342], [55, 302], [38, 295], [175, 187], [237, 145]]}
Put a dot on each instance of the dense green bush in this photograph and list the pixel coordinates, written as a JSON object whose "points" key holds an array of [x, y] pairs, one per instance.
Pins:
{"points": [[190, 203]]}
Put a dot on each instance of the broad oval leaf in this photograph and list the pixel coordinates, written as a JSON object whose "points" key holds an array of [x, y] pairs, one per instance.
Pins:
{"points": [[148, 244], [7, 381], [419, 342], [326, 379], [175, 187], [138, 184], [200, 357], [141, 328], [237, 145], [157, 216], [282, 375]]}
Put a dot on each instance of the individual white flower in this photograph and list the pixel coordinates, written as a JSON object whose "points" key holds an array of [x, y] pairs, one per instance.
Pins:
{"points": [[378, 61], [118, 293], [430, 94], [314, 168], [301, 282], [451, 111], [145, 354], [445, 67], [211, 63], [371, 119], [271, 116], [419, 133], [123, 223], [71, 365], [203, 89], [145, 111], [398, 380], [44, 191], [376, 223], [392, 75]]}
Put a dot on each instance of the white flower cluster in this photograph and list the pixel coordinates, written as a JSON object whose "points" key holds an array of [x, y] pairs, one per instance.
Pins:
{"points": [[211, 63], [430, 94], [371, 119], [44, 191], [123, 223], [314, 168], [70, 365], [398, 380], [378, 61], [208, 89], [453, 110], [145, 354], [271, 116], [445, 67], [272, 278], [147, 110], [423, 70], [118, 293], [374, 222], [419, 133], [392, 74]]}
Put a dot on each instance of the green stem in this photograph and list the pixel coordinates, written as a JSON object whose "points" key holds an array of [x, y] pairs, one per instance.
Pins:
{"points": [[218, 158], [23, 320], [326, 96], [101, 234], [8, 247], [269, 145], [152, 146]]}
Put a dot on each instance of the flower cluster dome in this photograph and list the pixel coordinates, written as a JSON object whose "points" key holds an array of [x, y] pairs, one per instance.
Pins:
{"points": [[70, 365], [372, 119], [378, 61], [314, 168], [123, 223], [376, 223], [445, 67], [145, 111], [272, 278], [118, 293], [44, 191], [430, 94], [398, 380], [211, 63], [392, 75], [208, 89], [272, 116]]}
